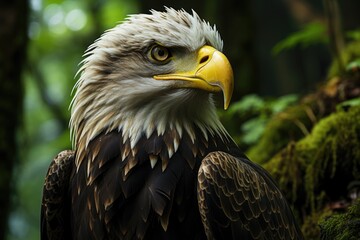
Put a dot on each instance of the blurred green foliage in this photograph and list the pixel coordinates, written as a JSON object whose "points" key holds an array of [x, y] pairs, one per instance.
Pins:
{"points": [[247, 118], [353, 35], [310, 34], [59, 33]]}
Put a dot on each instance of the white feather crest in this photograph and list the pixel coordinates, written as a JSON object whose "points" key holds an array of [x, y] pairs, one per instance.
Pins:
{"points": [[116, 95]]}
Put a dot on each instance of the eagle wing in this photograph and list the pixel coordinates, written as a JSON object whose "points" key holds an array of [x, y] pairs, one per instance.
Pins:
{"points": [[239, 200], [55, 209]]}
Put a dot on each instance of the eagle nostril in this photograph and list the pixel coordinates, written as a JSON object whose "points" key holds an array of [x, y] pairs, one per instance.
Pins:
{"points": [[204, 59]]}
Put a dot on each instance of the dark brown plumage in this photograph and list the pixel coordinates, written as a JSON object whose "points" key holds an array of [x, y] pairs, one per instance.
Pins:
{"points": [[238, 198], [55, 207], [151, 158]]}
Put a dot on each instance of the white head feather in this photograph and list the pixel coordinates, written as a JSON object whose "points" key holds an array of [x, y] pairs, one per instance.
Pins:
{"points": [[116, 90]]}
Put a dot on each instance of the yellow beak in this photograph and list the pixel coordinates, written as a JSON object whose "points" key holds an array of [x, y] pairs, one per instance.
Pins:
{"points": [[212, 73]]}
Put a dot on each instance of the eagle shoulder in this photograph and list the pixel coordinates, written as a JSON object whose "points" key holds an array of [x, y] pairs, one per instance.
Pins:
{"points": [[238, 199], [55, 202]]}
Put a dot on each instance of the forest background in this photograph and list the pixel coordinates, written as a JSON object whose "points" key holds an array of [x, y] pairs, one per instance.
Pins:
{"points": [[294, 110]]}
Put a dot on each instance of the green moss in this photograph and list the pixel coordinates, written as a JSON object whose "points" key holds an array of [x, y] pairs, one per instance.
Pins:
{"points": [[288, 168], [310, 232], [332, 155], [292, 124], [344, 226], [297, 121], [318, 168]]}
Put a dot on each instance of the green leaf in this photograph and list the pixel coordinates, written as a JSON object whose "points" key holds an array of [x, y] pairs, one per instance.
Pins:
{"points": [[250, 102], [353, 65], [313, 33], [253, 129], [283, 102], [349, 103], [353, 35]]}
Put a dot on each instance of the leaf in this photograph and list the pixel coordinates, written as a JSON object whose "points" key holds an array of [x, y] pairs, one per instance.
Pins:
{"points": [[353, 65], [250, 102], [313, 33], [353, 35], [283, 102], [253, 129], [349, 103]]}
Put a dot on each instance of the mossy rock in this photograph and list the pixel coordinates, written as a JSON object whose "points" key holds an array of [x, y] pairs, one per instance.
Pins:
{"points": [[311, 232], [313, 151], [297, 121], [290, 125], [344, 226], [317, 169]]}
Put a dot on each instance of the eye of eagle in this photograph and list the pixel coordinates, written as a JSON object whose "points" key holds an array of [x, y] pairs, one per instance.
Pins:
{"points": [[159, 54]]}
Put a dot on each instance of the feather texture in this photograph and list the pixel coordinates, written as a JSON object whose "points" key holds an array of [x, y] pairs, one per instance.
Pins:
{"points": [[239, 200], [125, 203], [55, 207]]}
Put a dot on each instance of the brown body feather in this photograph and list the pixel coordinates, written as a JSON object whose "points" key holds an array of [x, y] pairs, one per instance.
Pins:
{"points": [[229, 197], [140, 201], [55, 214], [238, 198]]}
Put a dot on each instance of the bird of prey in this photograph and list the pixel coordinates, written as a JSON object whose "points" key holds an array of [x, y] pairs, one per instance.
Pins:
{"points": [[151, 159]]}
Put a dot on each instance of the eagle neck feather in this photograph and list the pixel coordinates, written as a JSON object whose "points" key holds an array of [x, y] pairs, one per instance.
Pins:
{"points": [[181, 111]]}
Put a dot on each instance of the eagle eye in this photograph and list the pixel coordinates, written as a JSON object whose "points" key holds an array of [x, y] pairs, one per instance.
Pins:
{"points": [[159, 53]]}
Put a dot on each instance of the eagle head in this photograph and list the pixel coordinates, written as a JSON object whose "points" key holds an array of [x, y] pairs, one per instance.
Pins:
{"points": [[150, 73]]}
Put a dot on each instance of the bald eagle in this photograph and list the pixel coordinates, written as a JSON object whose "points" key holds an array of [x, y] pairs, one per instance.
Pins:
{"points": [[151, 159]]}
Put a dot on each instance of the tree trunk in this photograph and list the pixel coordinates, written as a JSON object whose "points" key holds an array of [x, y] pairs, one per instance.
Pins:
{"points": [[13, 41]]}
